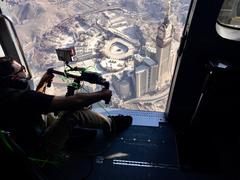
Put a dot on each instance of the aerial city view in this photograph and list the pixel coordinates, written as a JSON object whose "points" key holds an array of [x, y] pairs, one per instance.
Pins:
{"points": [[132, 43]]}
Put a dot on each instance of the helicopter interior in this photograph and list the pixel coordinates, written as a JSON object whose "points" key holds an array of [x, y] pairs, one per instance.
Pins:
{"points": [[197, 137]]}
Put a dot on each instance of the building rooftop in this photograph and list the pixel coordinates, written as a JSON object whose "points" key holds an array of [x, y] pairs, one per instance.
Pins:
{"points": [[141, 67], [149, 61]]}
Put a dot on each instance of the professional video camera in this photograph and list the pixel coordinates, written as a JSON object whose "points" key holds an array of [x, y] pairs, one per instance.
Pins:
{"points": [[66, 55]]}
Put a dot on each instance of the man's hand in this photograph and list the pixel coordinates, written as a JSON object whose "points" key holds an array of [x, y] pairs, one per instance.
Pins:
{"points": [[46, 79], [107, 94]]}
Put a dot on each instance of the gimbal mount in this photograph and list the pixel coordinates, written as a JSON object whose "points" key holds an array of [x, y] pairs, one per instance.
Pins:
{"points": [[91, 77]]}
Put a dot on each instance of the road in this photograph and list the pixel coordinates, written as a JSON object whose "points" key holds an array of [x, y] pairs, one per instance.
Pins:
{"points": [[161, 96]]}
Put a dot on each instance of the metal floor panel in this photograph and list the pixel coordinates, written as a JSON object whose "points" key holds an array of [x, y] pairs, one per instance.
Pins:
{"points": [[138, 153]]}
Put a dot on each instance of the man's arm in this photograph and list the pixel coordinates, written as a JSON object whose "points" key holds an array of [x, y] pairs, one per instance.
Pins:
{"points": [[78, 101], [75, 102]]}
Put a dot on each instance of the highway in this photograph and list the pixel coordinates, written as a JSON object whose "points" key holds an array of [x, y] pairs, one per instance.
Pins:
{"points": [[162, 94]]}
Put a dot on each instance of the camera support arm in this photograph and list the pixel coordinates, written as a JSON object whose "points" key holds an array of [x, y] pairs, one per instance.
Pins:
{"points": [[91, 77]]}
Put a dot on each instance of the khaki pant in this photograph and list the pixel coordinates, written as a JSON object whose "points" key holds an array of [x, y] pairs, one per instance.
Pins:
{"points": [[59, 131]]}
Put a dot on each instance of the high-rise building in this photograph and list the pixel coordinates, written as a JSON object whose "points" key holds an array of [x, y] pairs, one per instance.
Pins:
{"points": [[150, 51], [115, 83], [141, 79], [153, 73], [138, 59], [163, 46], [124, 89], [122, 86]]}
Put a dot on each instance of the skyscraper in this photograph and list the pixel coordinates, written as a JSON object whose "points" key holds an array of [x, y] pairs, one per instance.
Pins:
{"points": [[150, 51], [122, 86], [141, 79], [124, 89], [153, 73], [163, 46]]}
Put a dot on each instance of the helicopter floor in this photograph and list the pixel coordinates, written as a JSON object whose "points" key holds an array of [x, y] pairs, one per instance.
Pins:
{"points": [[140, 152]]}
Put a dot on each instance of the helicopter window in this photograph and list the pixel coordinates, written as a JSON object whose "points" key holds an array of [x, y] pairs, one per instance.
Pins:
{"points": [[124, 40], [228, 23], [230, 13]]}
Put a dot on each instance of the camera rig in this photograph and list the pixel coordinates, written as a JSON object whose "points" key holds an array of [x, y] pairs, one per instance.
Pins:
{"points": [[66, 55]]}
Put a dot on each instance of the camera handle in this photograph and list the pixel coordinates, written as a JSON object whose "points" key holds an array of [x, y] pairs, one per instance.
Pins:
{"points": [[72, 87]]}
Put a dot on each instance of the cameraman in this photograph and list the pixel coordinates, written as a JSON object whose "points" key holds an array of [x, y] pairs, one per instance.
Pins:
{"points": [[23, 109]]}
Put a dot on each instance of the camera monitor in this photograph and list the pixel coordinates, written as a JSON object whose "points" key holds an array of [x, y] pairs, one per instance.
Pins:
{"points": [[66, 54]]}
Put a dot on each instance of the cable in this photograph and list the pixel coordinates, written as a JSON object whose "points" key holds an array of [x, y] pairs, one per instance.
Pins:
{"points": [[2, 136], [91, 67], [13, 147], [44, 161]]}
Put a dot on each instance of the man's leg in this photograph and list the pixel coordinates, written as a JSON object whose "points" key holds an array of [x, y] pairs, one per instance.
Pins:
{"points": [[111, 125], [57, 134], [90, 119]]}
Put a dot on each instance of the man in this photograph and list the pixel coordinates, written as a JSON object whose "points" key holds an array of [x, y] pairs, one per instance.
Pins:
{"points": [[23, 108]]}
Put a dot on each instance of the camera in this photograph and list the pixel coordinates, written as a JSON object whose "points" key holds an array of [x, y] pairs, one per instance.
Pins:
{"points": [[66, 54]]}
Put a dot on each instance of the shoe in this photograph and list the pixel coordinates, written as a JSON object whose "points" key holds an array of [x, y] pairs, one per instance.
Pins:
{"points": [[119, 124]]}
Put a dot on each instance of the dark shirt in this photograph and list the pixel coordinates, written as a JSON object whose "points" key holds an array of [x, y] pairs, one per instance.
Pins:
{"points": [[21, 114]]}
